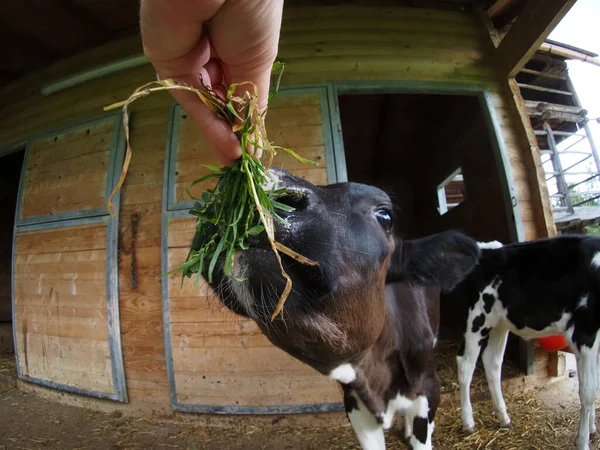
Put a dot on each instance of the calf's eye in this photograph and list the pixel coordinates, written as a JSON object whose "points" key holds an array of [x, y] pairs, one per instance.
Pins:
{"points": [[384, 218]]}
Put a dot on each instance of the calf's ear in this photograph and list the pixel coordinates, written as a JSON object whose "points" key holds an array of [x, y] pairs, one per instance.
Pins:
{"points": [[443, 259]]}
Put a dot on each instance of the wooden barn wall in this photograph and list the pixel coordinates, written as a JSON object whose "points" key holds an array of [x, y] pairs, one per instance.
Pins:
{"points": [[319, 44], [215, 352], [60, 307]]}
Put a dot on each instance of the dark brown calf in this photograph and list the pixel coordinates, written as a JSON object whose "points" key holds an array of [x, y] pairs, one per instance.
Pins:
{"points": [[367, 315]]}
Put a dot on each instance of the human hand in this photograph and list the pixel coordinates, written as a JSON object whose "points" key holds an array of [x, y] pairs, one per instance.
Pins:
{"points": [[215, 42]]}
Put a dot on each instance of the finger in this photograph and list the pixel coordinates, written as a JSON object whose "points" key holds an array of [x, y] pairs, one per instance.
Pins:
{"points": [[215, 73], [217, 131], [189, 64]]}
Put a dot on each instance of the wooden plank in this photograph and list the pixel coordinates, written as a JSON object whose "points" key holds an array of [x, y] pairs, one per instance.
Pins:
{"points": [[73, 267], [544, 215], [201, 309], [532, 27], [43, 154], [312, 70], [381, 48], [149, 226], [289, 125], [391, 14], [143, 193], [75, 328], [320, 23], [257, 360], [71, 371], [97, 301], [543, 74], [65, 185], [41, 258], [71, 138], [256, 390], [45, 286], [97, 352], [87, 237], [543, 89], [181, 233], [222, 340], [92, 165], [61, 311]]}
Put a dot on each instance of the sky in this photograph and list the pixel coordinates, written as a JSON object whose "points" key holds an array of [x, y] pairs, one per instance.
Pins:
{"points": [[581, 28]]}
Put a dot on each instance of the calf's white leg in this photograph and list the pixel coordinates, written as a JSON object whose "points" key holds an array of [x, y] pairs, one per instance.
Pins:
{"points": [[368, 431], [587, 362], [422, 429], [593, 428], [466, 367], [408, 426], [492, 357]]}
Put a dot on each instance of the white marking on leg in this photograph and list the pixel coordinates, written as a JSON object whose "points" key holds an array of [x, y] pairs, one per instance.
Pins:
{"points": [[493, 356], [490, 245], [344, 373], [420, 410], [583, 302], [587, 362], [368, 431], [467, 362], [596, 260], [408, 421], [593, 429], [399, 404]]}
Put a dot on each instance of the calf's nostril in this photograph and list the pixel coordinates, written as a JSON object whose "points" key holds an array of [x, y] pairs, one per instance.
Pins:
{"points": [[294, 199]]}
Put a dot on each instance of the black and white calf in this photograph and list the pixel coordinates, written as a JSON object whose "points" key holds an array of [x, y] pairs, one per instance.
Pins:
{"points": [[534, 289], [367, 315]]}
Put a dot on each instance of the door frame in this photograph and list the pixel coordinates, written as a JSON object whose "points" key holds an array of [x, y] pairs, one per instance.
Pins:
{"points": [[494, 131]]}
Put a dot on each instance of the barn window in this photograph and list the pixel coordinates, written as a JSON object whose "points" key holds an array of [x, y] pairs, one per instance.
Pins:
{"points": [[451, 192]]}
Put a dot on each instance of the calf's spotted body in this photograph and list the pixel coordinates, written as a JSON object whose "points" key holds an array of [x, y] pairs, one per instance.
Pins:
{"points": [[533, 289]]}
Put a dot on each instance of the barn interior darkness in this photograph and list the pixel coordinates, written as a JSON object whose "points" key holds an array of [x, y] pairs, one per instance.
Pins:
{"points": [[10, 173], [409, 145]]}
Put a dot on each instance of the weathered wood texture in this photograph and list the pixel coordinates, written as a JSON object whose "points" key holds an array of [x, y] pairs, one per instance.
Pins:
{"points": [[318, 44], [140, 295], [67, 172], [532, 27], [220, 358], [321, 44], [60, 306], [223, 359], [291, 120]]}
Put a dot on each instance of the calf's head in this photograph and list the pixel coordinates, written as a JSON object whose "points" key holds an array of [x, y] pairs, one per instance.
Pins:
{"points": [[336, 310]]}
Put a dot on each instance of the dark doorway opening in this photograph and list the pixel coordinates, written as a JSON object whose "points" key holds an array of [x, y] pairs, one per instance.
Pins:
{"points": [[435, 156], [10, 175]]}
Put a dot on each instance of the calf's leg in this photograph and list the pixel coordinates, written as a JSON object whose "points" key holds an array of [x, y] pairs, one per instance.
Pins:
{"points": [[492, 357], [408, 431], [422, 429], [587, 362], [467, 359], [368, 431], [593, 428]]}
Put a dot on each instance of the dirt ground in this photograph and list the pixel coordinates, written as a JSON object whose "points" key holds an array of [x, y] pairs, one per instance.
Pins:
{"points": [[544, 419]]}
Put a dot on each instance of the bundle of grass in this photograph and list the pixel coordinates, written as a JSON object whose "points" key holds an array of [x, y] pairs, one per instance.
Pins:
{"points": [[239, 206]]}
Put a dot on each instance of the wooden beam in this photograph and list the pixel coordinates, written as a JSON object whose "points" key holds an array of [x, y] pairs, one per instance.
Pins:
{"points": [[545, 106], [543, 74], [543, 89], [503, 12], [499, 6], [533, 25]]}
